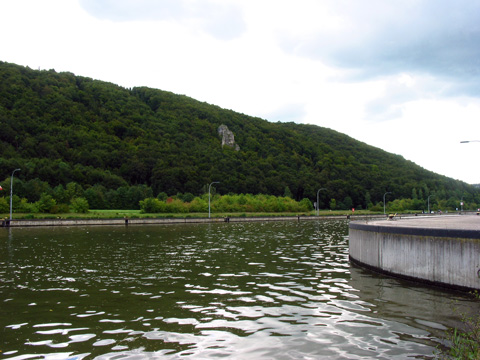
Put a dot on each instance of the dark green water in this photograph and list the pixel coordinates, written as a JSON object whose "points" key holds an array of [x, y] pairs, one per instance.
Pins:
{"points": [[244, 291]]}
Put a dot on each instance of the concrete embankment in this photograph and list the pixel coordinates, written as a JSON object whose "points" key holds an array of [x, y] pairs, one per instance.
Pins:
{"points": [[442, 250], [165, 221]]}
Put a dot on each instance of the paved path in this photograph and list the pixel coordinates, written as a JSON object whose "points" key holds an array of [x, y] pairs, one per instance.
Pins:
{"points": [[447, 222]]}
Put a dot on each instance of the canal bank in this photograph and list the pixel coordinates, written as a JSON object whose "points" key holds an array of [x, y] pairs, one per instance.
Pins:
{"points": [[165, 221], [441, 250]]}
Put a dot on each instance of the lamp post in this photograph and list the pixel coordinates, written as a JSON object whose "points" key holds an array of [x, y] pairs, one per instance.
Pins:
{"points": [[318, 205], [214, 182], [11, 191], [428, 201], [388, 192]]}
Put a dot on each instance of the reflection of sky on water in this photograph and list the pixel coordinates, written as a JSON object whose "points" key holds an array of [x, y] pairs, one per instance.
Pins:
{"points": [[269, 290]]}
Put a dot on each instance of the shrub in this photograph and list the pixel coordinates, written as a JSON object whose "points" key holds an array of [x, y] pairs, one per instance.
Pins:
{"points": [[79, 205], [59, 208], [26, 207], [4, 206], [152, 205], [198, 205], [162, 196], [175, 206], [306, 205], [45, 204]]}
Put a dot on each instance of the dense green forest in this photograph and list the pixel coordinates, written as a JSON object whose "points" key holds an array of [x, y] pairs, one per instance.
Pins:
{"points": [[75, 137]]}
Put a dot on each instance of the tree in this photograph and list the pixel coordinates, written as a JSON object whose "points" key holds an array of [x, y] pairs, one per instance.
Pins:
{"points": [[306, 204], [162, 196], [348, 202], [368, 200], [79, 205], [45, 204], [152, 205], [60, 195], [73, 190], [95, 196], [4, 206], [287, 192], [333, 204], [78, 133]]}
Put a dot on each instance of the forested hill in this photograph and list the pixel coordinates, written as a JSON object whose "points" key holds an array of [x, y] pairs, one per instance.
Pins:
{"points": [[60, 128]]}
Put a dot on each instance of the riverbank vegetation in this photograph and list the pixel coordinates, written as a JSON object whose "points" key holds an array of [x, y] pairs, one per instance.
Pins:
{"points": [[139, 199], [464, 342], [73, 201], [76, 139]]}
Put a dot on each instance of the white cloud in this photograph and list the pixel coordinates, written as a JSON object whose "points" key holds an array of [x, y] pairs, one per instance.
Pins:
{"points": [[222, 19], [435, 37]]}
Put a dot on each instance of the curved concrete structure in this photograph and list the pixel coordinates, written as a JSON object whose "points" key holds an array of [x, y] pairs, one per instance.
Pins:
{"points": [[443, 250]]}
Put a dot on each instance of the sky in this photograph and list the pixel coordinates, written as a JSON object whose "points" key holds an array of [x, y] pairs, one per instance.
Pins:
{"points": [[400, 75]]}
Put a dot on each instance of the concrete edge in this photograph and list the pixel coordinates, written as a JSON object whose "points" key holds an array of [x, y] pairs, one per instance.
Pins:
{"points": [[405, 230], [164, 221], [412, 279]]}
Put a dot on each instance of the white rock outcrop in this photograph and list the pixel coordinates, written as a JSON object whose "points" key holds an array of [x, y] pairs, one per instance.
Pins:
{"points": [[228, 138]]}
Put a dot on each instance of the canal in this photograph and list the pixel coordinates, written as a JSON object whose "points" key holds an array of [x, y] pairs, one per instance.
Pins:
{"points": [[273, 290]]}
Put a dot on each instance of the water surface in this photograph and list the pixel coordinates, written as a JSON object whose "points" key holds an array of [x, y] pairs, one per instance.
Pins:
{"points": [[280, 290]]}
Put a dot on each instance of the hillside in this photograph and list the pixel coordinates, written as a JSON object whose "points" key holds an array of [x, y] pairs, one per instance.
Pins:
{"points": [[60, 128]]}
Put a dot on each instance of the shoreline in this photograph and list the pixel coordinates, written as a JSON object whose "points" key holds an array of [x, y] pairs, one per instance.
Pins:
{"points": [[125, 221]]}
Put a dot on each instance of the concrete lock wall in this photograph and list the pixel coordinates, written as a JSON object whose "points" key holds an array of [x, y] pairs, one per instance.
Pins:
{"points": [[438, 257], [158, 221], [152, 221]]}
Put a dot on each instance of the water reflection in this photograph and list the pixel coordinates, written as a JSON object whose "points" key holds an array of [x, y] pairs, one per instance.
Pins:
{"points": [[268, 290]]}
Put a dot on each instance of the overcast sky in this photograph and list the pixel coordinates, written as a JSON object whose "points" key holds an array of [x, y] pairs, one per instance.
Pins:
{"points": [[401, 75]]}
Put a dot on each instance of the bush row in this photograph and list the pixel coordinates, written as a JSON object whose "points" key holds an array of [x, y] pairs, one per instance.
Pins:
{"points": [[226, 203]]}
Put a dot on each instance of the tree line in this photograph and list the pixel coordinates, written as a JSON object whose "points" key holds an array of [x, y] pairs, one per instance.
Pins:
{"points": [[35, 196], [125, 145]]}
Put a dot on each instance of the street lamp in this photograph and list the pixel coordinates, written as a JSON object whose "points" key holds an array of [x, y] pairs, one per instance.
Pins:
{"points": [[318, 205], [11, 192], [388, 192], [215, 182], [428, 201]]}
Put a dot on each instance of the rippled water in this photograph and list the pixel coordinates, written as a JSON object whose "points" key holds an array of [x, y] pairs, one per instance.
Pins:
{"points": [[240, 290]]}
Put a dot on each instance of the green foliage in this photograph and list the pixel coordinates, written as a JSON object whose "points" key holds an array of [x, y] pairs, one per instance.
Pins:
{"points": [[198, 205], [25, 207], [306, 204], [79, 205], [152, 205], [4, 205], [287, 192], [227, 203], [77, 137], [60, 208], [46, 204], [377, 207], [162, 196], [333, 204]]}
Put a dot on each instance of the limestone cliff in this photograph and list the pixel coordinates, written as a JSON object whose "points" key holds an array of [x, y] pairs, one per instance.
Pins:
{"points": [[228, 139]]}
